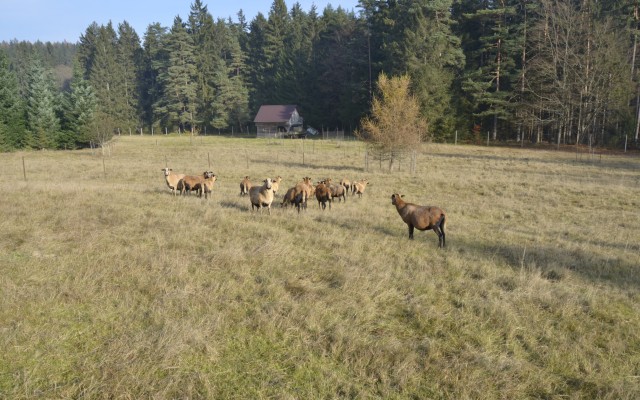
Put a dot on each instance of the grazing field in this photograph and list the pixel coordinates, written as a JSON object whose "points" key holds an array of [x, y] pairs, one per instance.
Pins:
{"points": [[111, 287]]}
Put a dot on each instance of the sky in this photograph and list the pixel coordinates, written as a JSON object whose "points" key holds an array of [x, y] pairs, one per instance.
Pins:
{"points": [[66, 20]]}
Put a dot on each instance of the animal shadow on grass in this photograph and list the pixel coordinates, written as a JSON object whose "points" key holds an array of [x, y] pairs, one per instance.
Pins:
{"points": [[555, 263], [235, 205]]}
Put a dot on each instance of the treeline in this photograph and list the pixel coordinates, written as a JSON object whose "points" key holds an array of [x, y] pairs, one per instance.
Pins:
{"points": [[558, 71]]}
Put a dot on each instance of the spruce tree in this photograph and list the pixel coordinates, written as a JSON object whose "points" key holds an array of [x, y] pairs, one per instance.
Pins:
{"points": [[42, 120], [129, 56], [155, 59], [178, 77], [431, 54], [12, 123], [79, 108]]}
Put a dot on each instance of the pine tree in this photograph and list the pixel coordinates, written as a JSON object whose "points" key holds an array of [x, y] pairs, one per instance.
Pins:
{"points": [[259, 67], [275, 52], [12, 123], [178, 77], [105, 75], [129, 56], [431, 54], [79, 108], [207, 39], [42, 120], [340, 70], [491, 61], [155, 60]]}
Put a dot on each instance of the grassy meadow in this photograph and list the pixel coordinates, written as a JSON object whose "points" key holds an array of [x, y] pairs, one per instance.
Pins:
{"points": [[110, 287]]}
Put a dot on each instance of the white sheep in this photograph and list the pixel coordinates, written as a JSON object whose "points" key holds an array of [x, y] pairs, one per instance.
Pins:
{"points": [[172, 179], [262, 196]]}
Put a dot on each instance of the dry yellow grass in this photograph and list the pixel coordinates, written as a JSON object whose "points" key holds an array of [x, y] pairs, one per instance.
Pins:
{"points": [[112, 288]]}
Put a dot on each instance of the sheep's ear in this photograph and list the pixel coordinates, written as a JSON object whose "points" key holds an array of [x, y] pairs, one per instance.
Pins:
{"points": [[401, 195]]}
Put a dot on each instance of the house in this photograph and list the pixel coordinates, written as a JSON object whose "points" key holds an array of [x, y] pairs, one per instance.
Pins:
{"points": [[278, 121]]}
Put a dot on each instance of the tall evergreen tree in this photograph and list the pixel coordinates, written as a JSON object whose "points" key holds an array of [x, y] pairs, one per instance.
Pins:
{"points": [[275, 52], [178, 77], [431, 54], [105, 75], [12, 123], [42, 120], [341, 70], [259, 66], [79, 108], [491, 63], [155, 60], [129, 56]]}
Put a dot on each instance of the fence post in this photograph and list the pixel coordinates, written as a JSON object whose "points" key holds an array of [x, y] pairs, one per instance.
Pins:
{"points": [[625, 143], [24, 169]]}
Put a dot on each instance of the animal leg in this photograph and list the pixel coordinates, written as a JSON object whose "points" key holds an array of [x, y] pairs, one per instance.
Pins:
{"points": [[441, 228], [411, 232]]}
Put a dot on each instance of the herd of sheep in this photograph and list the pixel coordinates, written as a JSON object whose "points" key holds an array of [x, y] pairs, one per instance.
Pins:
{"points": [[325, 191]]}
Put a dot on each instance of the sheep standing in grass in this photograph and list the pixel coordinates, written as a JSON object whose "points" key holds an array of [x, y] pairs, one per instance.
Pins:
{"points": [[359, 187], [293, 197], [172, 179], [262, 196], [245, 185], [207, 184], [323, 194], [275, 184], [347, 185], [191, 183], [337, 191], [303, 191], [422, 218]]}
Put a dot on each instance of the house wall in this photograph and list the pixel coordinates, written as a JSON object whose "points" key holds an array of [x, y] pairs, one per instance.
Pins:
{"points": [[268, 130]]}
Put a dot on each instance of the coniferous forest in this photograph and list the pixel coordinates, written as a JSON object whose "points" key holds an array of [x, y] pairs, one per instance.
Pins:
{"points": [[540, 71]]}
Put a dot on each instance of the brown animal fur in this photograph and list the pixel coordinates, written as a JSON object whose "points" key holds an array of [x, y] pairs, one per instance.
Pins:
{"points": [[172, 179], [359, 187], [245, 185], [275, 184], [207, 184], [323, 194], [422, 218]]}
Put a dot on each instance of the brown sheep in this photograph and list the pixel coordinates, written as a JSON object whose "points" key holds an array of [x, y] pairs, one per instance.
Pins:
{"points": [[347, 185], [275, 184], [245, 185], [292, 197], [207, 184], [262, 196], [422, 218], [323, 194], [337, 191], [191, 183], [172, 179], [299, 194], [197, 183], [359, 187]]}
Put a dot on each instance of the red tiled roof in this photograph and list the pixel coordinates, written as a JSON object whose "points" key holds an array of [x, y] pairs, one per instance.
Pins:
{"points": [[274, 113]]}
